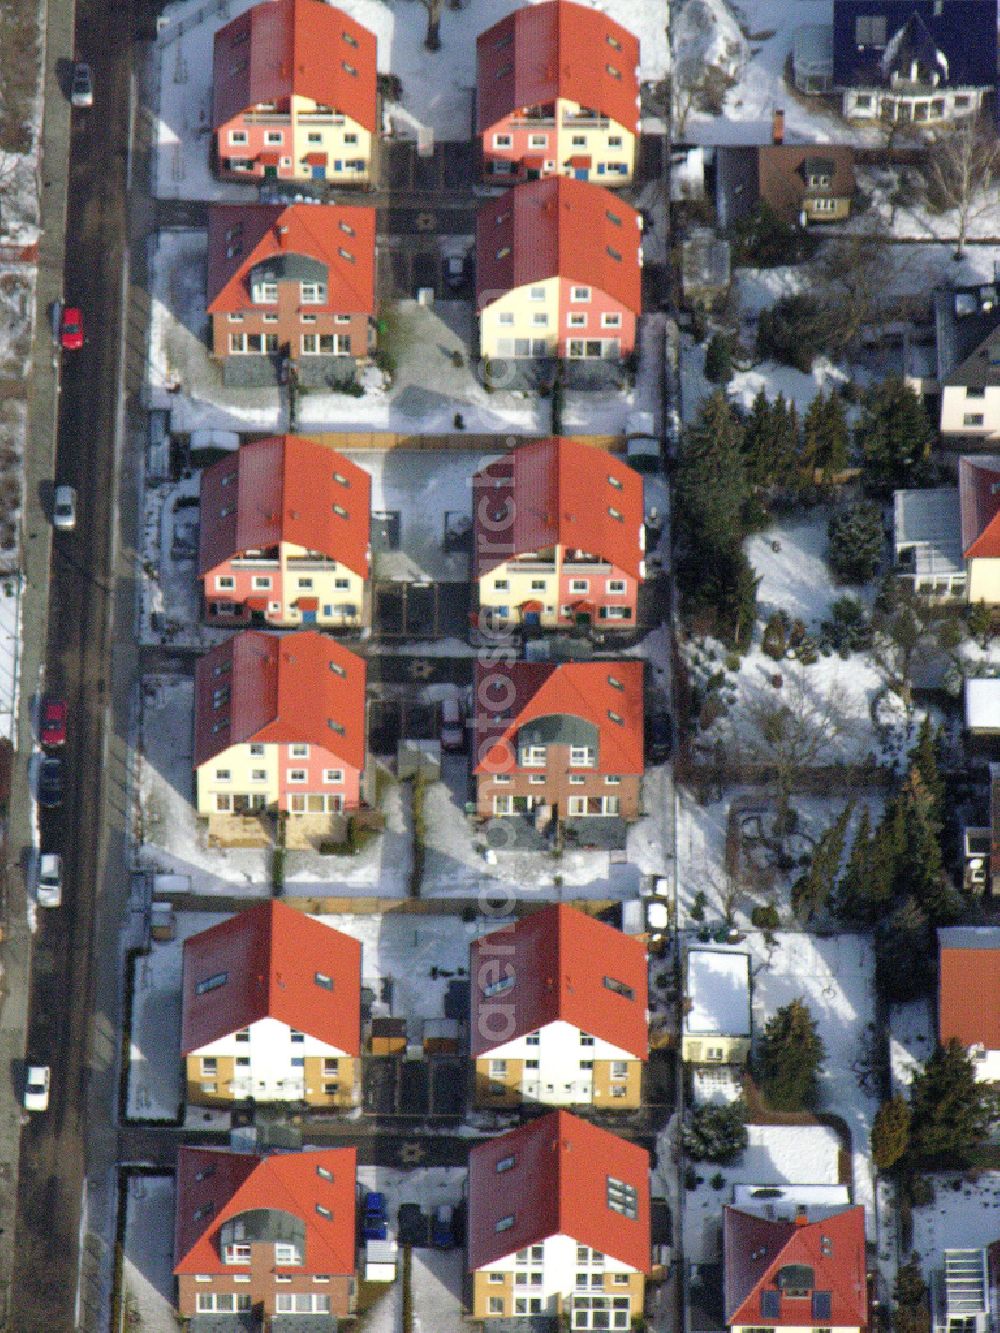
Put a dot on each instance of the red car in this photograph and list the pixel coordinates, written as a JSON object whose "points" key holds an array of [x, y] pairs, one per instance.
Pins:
{"points": [[52, 728], [71, 328]]}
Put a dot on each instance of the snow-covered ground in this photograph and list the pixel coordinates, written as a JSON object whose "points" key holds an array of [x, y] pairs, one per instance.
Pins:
{"points": [[902, 213], [437, 88], [10, 654], [912, 1038], [168, 570], [964, 1215], [147, 1266]]}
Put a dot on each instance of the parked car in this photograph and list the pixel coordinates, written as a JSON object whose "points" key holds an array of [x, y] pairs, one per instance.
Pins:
{"points": [[71, 328], [36, 1088], [52, 723], [49, 879], [82, 88], [64, 509], [50, 782], [443, 1227], [452, 725], [375, 1222], [659, 737]]}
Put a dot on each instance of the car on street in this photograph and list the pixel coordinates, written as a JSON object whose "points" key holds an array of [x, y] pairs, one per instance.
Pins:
{"points": [[375, 1222], [50, 782], [443, 1227], [49, 879], [82, 88], [36, 1088], [659, 737], [452, 725], [52, 722], [64, 509], [71, 328]]}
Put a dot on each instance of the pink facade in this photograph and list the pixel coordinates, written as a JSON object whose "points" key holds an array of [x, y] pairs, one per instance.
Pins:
{"points": [[242, 591], [256, 150], [593, 311], [528, 161], [597, 594], [314, 765]]}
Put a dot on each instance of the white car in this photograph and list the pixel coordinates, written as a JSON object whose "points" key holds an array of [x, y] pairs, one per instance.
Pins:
{"points": [[49, 880], [36, 1088], [64, 509], [82, 90]]}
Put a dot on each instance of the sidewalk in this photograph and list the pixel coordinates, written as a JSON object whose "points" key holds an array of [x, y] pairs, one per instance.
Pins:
{"points": [[39, 461]]}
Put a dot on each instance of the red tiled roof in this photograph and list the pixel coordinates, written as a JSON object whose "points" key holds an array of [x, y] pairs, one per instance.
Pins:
{"points": [[755, 1249], [560, 959], [284, 489], [215, 1185], [557, 1186], [979, 501], [558, 227], [557, 491], [283, 48], [271, 955], [560, 49], [280, 688], [969, 986], [241, 236], [511, 694]]}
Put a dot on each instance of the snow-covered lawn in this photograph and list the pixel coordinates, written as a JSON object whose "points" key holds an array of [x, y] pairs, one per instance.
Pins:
{"points": [[912, 1038], [963, 1216], [17, 314], [169, 568], [912, 220], [147, 1268], [437, 87]]}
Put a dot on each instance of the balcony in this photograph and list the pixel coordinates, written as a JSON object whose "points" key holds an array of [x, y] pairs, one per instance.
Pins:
{"points": [[571, 122], [321, 118], [533, 123], [267, 118]]}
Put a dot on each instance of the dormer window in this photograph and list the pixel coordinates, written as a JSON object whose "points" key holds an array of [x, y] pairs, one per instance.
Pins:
{"points": [[211, 983], [264, 293], [313, 293], [622, 1198], [498, 987]]}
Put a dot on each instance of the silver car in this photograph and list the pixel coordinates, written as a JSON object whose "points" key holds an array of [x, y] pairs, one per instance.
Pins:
{"points": [[82, 90], [64, 509], [49, 879]]}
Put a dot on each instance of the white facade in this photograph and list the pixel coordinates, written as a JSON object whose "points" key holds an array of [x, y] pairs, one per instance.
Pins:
{"points": [[972, 410], [555, 1059], [986, 1064], [559, 1267], [268, 1061], [906, 107]]}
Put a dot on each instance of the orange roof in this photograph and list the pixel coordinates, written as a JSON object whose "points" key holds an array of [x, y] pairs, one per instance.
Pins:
{"points": [[969, 986], [559, 227], [215, 1186], [979, 505], [285, 48], [280, 688], [561, 961], [756, 1249], [557, 492], [285, 489], [559, 49], [270, 955], [607, 695], [557, 1186], [286, 241]]}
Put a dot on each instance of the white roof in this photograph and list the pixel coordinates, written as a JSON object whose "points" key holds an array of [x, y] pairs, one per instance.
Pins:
{"points": [[718, 992], [929, 525], [781, 1201], [982, 703]]}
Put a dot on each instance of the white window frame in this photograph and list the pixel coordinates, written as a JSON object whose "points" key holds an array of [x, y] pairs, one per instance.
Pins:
{"points": [[579, 295]]}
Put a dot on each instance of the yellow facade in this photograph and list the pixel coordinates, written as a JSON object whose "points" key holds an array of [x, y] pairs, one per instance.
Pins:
{"points": [[596, 134], [608, 1100], [524, 577], [826, 209], [502, 1288], [321, 582], [209, 1090], [340, 137], [483, 1289], [517, 314], [347, 1082], [245, 772], [498, 1090], [984, 581], [707, 1049]]}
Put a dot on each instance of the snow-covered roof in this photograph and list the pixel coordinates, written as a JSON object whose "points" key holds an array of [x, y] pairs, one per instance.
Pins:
{"points": [[718, 992], [812, 48], [782, 1201], [928, 524], [982, 704]]}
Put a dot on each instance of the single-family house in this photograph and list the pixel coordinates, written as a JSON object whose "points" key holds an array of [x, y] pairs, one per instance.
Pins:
{"points": [[790, 1274], [966, 363], [915, 62], [279, 726], [272, 1235], [271, 1010], [290, 284], [294, 95], [961, 1293], [285, 536], [558, 272], [559, 1012], [800, 183], [716, 1028], [558, 740], [557, 93], [969, 995], [558, 537], [559, 1224], [979, 504]]}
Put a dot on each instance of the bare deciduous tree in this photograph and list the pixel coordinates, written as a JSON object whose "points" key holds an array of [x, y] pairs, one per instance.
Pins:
{"points": [[432, 39], [905, 627], [963, 170]]}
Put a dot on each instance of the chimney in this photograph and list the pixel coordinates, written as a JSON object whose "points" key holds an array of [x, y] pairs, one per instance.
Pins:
{"points": [[778, 126], [281, 231], [801, 1220]]}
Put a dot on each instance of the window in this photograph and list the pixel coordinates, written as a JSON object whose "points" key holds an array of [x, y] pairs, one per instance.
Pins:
{"points": [[615, 73], [538, 141], [531, 1064], [501, 585], [503, 252], [209, 1065], [577, 321], [538, 585], [619, 1069], [296, 775], [237, 1254], [505, 319], [619, 988], [211, 983], [286, 1254], [581, 756], [262, 582], [210, 1302], [222, 775], [869, 30], [496, 1277], [299, 751], [333, 775], [590, 1312], [497, 988], [579, 585], [616, 514], [536, 780], [613, 253], [615, 586], [505, 1164], [586, 1039], [580, 294], [505, 1223], [502, 141], [975, 391], [613, 780], [576, 779], [350, 138], [313, 293], [973, 419], [302, 1302], [611, 321], [533, 756], [614, 141], [536, 294], [540, 319], [238, 136], [323, 981], [265, 293], [257, 750], [622, 1198], [496, 1305]]}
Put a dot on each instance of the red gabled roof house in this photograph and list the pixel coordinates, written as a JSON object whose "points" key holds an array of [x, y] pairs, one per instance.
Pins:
{"points": [[284, 536], [279, 725], [558, 537], [558, 272], [548, 1201], [559, 982], [557, 93], [979, 502], [294, 94], [292, 283], [969, 995], [270, 1234], [578, 726], [271, 1009], [791, 1274]]}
